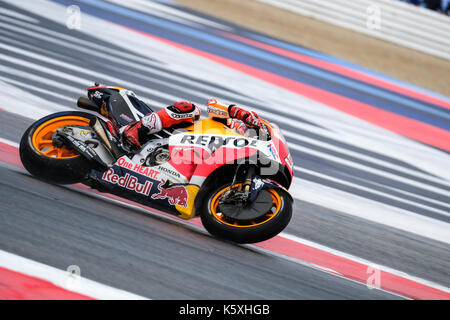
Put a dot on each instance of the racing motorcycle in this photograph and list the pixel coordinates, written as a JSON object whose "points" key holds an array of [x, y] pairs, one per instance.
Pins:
{"points": [[236, 183]]}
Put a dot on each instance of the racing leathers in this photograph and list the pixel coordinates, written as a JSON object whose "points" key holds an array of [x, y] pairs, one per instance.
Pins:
{"points": [[234, 117]]}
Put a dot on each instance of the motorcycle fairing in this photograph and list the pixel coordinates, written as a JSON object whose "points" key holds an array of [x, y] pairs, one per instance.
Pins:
{"points": [[195, 153], [212, 144], [143, 188]]}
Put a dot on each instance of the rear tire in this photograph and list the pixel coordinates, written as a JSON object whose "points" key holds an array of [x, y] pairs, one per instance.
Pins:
{"points": [[61, 166], [247, 234]]}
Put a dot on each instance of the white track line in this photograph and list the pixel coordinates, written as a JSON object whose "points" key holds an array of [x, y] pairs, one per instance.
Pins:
{"points": [[364, 261], [173, 219], [64, 279], [294, 238], [370, 210], [376, 192], [9, 142]]}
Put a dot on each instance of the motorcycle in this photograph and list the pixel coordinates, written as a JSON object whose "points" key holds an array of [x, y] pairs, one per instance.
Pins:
{"points": [[237, 184]]}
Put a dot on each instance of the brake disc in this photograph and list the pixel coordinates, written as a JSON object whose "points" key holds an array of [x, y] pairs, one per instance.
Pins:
{"points": [[256, 209]]}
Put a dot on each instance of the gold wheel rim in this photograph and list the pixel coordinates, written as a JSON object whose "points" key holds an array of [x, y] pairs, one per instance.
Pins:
{"points": [[275, 210], [42, 137]]}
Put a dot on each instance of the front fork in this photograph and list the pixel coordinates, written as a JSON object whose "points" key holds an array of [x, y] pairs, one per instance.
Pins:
{"points": [[242, 192], [248, 180]]}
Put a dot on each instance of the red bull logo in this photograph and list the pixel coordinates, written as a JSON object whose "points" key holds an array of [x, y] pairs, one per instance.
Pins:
{"points": [[177, 195], [128, 181]]}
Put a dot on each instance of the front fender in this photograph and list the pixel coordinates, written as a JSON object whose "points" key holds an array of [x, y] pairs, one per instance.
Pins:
{"points": [[259, 184]]}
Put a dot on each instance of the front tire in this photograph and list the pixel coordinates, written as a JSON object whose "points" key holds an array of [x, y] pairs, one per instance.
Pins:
{"points": [[44, 160], [263, 228]]}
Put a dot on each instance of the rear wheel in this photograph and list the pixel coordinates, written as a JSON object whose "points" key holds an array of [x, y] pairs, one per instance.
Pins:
{"points": [[267, 216], [42, 158]]}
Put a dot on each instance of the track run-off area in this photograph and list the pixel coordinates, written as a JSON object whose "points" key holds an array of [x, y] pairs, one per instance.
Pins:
{"points": [[372, 185]]}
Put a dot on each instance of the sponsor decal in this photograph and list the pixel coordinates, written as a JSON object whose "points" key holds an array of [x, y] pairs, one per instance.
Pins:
{"points": [[169, 172], [218, 141], [126, 118], [128, 181], [98, 94], [176, 195], [216, 111], [146, 171], [289, 161], [83, 133], [181, 115], [272, 151]]}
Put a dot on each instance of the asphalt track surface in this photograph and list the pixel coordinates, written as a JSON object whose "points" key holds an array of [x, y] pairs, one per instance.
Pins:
{"points": [[161, 259], [156, 258], [149, 257]]}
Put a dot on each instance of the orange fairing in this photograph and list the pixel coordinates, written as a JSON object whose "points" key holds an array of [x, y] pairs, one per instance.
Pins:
{"points": [[42, 137], [210, 126]]}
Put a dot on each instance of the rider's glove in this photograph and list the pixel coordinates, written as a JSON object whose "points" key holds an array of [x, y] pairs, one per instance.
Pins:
{"points": [[249, 118]]}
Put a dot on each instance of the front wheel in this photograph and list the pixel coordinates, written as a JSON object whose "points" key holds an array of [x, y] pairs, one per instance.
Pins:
{"points": [[267, 216], [45, 160]]}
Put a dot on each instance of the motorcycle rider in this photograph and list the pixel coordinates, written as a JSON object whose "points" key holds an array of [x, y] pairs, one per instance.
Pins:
{"points": [[234, 117]]}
